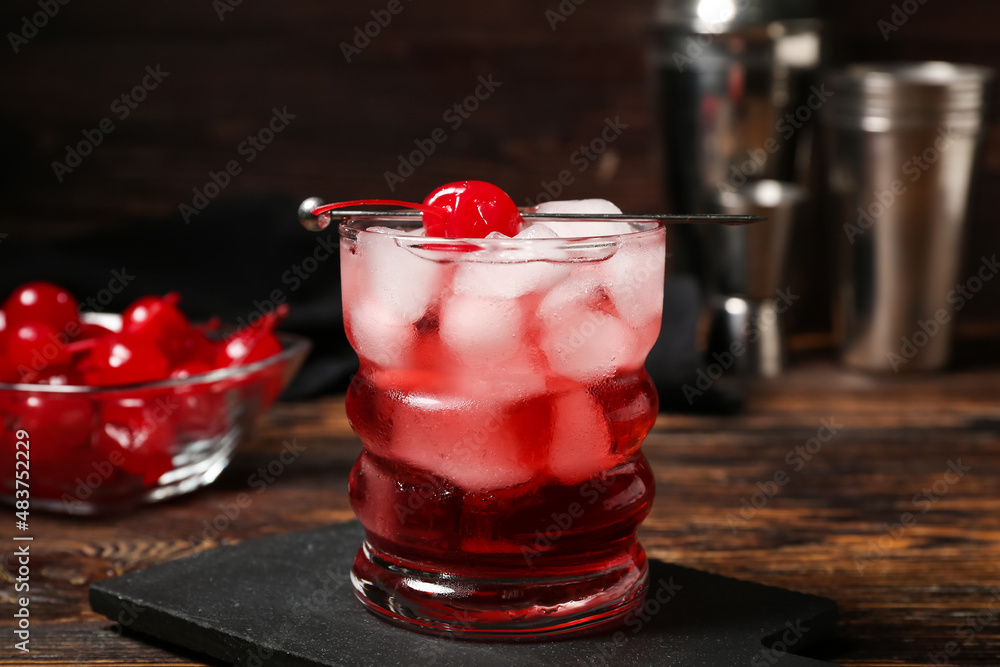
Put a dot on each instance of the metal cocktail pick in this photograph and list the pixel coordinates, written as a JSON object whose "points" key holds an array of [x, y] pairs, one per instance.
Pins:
{"points": [[317, 223]]}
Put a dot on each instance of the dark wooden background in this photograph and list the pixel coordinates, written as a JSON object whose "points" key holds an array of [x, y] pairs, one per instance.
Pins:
{"points": [[352, 120]]}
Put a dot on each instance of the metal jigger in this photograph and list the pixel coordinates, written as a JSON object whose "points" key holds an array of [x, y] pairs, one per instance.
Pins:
{"points": [[739, 99], [749, 277]]}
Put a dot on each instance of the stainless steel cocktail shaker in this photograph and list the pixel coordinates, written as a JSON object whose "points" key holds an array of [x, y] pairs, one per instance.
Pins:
{"points": [[740, 96], [903, 140]]}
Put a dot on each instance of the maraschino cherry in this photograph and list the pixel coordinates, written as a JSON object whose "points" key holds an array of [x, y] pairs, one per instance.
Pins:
{"points": [[43, 341], [155, 317], [64, 423], [141, 433], [36, 344], [43, 302], [125, 358], [475, 209], [253, 343], [159, 319], [465, 209]]}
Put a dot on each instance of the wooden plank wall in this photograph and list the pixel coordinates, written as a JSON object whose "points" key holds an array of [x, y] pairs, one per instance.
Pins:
{"points": [[557, 88]]}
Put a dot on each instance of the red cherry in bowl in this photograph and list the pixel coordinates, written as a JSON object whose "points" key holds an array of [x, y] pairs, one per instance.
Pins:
{"points": [[44, 302], [254, 343], [245, 349], [36, 346], [475, 209], [124, 359], [190, 347], [141, 432], [156, 317], [58, 424]]}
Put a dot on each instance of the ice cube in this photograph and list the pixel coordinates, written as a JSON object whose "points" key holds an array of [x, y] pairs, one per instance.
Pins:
{"points": [[473, 444], [497, 235], [537, 231], [584, 228], [587, 345], [481, 331], [581, 444], [402, 283], [578, 206], [377, 334], [508, 280], [589, 228], [521, 383], [564, 298], [354, 282], [517, 378], [634, 280]]}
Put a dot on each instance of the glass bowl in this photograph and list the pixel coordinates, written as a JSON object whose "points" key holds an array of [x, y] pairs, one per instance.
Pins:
{"points": [[89, 450]]}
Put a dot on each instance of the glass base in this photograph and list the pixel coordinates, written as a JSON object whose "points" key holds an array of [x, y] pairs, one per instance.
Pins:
{"points": [[545, 605]]}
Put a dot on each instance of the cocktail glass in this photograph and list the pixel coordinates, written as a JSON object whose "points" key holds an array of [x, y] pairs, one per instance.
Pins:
{"points": [[502, 403]]}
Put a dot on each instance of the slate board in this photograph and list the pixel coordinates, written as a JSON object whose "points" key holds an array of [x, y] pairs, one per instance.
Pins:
{"points": [[287, 600]]}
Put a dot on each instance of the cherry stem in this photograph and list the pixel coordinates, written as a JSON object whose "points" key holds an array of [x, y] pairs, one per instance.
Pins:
{"points": [[213, 324], [81, 345], [265, 327], [432, 210]]}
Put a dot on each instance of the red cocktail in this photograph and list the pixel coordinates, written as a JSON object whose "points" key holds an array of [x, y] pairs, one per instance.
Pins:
{"points": [[502, 402]]}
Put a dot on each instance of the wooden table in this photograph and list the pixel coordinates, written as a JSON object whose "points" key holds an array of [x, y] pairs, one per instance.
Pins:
{"points": [[873, 518]]}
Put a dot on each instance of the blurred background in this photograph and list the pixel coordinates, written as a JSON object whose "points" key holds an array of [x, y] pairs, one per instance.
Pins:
{"points": [[172, 142]]}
